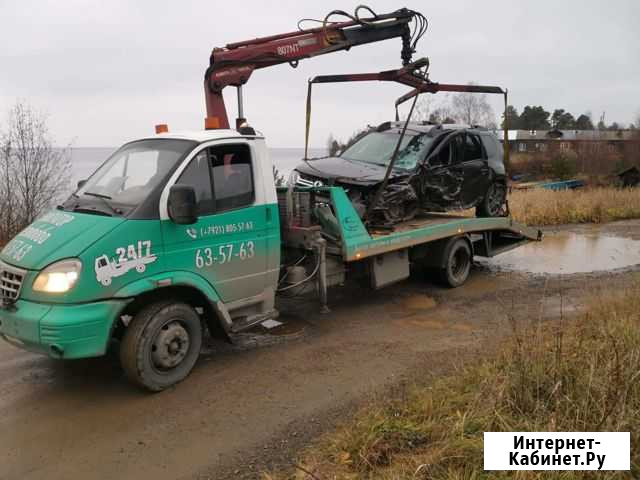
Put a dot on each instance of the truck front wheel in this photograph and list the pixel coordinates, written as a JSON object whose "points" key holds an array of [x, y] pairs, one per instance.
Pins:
{"points": [[161, 345]]}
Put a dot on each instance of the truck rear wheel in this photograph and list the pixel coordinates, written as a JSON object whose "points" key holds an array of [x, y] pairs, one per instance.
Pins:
{"points": [[457, 263], [161, 345]]}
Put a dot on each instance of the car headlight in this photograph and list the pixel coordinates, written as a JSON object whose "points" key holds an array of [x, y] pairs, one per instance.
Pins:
{"points": [[293, 178], [58, 277]]}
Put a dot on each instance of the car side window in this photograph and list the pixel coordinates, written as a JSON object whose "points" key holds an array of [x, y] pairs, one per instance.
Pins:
{"points": [[197, 175], [472, 148], [443, 157], [490, 146], [458, 149], [232, 176]]}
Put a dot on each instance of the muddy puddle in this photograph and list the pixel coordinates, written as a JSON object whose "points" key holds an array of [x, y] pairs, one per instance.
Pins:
{"points": [[569, 252]]}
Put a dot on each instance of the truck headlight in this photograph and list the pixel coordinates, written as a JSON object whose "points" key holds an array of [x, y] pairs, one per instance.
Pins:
{"points": [[58, 277]]}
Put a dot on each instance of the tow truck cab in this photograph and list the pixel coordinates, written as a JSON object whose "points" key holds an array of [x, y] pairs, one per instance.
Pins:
{"points": [[187, 220]]}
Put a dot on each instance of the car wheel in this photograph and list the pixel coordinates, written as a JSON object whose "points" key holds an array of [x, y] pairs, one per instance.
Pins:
{"points": [[492, 204], [457, 263], [161, 345]]}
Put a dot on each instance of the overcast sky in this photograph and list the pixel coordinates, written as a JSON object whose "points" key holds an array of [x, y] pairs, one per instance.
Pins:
{"points": [[108, 71]]}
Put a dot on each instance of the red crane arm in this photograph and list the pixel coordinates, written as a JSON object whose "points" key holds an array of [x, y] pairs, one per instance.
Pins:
{"points": [[234, 64], [408, 76]]}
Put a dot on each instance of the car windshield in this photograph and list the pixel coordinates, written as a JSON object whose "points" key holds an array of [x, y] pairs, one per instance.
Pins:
{"points": [[133, 171], [378, 147]]}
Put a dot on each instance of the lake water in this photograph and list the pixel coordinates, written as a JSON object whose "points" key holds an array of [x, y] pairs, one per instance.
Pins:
{"points": [[85, 160]]}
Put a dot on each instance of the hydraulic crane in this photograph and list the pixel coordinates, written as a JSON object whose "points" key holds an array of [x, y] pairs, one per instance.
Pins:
{"points": [[234, 64]]}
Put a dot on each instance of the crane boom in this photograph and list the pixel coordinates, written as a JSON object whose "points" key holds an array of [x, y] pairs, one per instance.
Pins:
{"points": [[233, 64]]}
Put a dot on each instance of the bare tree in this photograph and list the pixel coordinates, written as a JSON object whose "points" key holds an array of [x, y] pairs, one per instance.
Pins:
{"points": [[473, 109], [429, 109], [423, 108], [333, 146], [7, 199], [35, 174], [442, 114]]}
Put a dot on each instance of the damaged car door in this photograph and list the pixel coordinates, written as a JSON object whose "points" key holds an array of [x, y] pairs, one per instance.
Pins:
{"points": [[475, 170], [457, 173], [442, 180]]}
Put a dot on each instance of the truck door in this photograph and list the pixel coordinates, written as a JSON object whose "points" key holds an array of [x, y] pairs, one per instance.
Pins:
{"points": [[475, 169], [227, 245]]}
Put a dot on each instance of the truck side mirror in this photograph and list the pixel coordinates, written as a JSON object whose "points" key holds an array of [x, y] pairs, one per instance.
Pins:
{"points": [[81, 183], [182, 205]]}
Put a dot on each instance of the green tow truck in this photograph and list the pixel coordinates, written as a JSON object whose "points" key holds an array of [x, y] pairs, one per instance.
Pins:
{"points": [[178, 233]]}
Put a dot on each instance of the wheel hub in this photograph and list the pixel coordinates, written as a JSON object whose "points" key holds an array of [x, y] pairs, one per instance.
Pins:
{"points": [[170, 346]]}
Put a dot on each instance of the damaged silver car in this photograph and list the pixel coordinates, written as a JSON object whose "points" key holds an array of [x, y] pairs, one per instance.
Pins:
{"points": [[438, 168]]}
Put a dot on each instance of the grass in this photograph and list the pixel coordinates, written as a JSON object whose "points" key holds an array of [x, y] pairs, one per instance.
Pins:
{"points": [[578, 375], [589, 205]]}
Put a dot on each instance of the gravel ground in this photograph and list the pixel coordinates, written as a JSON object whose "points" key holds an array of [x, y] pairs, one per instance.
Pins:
{"points": [[254, 405]]}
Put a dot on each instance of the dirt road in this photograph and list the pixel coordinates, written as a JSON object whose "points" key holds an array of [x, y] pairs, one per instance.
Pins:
{"points": [[246, 408]]}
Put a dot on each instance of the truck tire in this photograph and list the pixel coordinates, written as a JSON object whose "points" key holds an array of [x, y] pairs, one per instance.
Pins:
{"points": [[493, 203], [161, 345], [457, 263]]}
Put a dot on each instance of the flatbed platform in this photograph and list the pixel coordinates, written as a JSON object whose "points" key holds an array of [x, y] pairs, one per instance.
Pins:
{"points": [[492, 235], [419, 221], [359, 243], [323, 220]]}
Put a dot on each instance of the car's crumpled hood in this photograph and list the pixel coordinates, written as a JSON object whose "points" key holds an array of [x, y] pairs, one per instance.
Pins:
{"points": [[345, 171], [56, 235]]}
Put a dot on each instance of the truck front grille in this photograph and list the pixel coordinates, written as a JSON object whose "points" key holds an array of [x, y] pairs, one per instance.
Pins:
{"points": [[10, 282]]}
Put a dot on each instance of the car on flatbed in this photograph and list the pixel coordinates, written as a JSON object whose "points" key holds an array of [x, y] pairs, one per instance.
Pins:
{"points": [[439, 167]]}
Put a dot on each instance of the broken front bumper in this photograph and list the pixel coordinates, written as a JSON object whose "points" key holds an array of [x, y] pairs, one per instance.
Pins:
{"points": [[60, 331]]}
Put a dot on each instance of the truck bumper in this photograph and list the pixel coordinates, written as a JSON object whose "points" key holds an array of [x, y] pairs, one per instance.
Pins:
{"points": [[60, 331]]}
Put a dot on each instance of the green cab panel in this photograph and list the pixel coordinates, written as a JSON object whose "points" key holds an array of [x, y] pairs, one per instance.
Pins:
{"points": [[54, 236], [227, 256], [234, 250], [130, 251], [168, 279]]}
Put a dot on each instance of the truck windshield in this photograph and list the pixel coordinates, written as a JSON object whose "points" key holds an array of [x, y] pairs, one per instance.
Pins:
{"points": [[378, 147], [133, 172]]}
